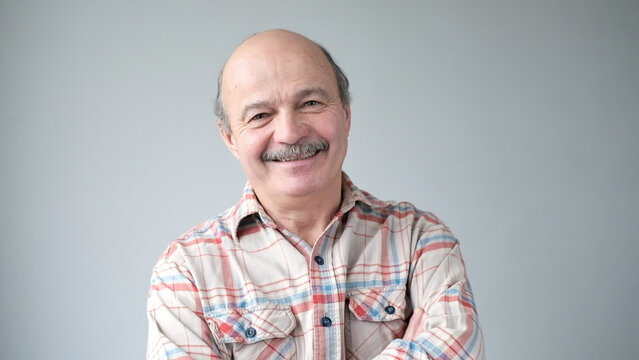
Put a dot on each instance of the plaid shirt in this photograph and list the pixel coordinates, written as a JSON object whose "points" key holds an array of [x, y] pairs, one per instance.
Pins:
{"points": [[384, 279]]}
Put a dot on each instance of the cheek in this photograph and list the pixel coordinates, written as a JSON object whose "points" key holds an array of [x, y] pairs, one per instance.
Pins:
{"points": [[252, 145], [332, 127]]}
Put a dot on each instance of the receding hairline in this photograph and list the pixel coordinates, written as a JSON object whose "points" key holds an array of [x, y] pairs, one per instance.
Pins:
{"points": [[271, 34], [255, 37]]}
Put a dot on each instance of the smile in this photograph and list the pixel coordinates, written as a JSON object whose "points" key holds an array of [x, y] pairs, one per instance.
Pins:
{"points": [[295, 152], [302, 156]]}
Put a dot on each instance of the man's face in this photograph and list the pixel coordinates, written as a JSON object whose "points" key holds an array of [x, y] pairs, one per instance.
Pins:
{"points": [[279, 93]]}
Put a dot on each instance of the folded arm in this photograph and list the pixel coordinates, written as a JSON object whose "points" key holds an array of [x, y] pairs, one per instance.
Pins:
{"points": [[444, 324]]}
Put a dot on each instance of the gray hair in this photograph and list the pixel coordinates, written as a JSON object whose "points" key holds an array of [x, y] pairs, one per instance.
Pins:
{"points": [[342, 86]]}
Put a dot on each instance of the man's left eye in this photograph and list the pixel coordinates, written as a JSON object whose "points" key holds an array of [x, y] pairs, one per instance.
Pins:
{"points": [[311, 103]]}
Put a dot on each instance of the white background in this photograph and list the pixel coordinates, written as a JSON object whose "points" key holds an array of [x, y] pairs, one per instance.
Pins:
{"points": [[516, 122]]}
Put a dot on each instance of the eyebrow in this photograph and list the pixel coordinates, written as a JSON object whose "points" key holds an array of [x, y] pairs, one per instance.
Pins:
{"points": [[252, 106], [299, 95], [312, 91]]}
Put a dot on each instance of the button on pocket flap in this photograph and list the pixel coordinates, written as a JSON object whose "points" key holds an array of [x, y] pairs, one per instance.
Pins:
{"points": [[380, 304], [252, 325]]}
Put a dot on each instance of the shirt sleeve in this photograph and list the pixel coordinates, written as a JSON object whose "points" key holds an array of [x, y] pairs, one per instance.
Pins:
{"points": [[177, 329], [444, 323]]}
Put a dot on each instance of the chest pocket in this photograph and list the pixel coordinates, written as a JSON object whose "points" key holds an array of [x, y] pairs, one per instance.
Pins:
{"points": [[374, 318], [248, 333], [379, 304]]}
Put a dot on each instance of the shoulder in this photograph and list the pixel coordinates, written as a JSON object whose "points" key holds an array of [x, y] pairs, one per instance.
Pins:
{"points": [[401, 215], [207, 237], [369, 204]]}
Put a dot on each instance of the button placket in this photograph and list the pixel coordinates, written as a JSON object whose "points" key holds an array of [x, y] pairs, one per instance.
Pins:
{"points": [[326, 295]]}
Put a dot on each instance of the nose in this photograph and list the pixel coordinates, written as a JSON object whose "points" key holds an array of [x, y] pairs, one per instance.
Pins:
{"points": [[289, 128]]}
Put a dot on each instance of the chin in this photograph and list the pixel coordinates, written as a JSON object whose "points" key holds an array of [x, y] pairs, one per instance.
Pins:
{"points": [[297, 188]]}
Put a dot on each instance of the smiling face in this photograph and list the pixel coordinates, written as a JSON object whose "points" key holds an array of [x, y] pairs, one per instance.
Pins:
{"points": [[289, 128]]}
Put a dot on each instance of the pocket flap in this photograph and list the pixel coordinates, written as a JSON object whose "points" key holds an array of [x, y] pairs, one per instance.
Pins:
{"points": [[248, 326], [380, 304]]}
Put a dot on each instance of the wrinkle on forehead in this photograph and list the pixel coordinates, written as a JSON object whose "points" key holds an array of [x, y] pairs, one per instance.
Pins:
{"points": [[275, 54]]}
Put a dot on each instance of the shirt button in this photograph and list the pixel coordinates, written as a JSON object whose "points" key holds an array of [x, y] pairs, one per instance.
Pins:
{"points": [[319, 260], [389, 309], [326, 321], [250, 332]]}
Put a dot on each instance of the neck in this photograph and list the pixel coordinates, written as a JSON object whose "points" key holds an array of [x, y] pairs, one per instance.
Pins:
{"points": [[306, 216]]}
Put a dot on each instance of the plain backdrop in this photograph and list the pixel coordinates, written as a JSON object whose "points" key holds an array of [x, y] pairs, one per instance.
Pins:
{"points": [[516, 122]]}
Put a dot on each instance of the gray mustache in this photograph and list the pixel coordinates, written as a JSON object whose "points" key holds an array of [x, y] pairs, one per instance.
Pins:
{"points": [[295, 151]]}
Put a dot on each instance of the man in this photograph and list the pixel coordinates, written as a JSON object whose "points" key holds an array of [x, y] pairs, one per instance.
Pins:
{"points": [[306, 265]]}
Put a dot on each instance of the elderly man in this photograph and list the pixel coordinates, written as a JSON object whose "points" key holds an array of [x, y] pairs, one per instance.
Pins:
{"points": [[306, 265]]}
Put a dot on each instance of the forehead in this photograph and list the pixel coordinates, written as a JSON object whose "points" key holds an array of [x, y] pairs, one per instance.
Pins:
{"points": [[275, 67]]}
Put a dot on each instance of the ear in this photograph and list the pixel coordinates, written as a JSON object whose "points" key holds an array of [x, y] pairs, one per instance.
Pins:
{"points": [[228, 138], [347, 109]]}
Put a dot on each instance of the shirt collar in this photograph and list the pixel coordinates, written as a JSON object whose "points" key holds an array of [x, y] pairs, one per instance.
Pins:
{"points": [[249, 206]]}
